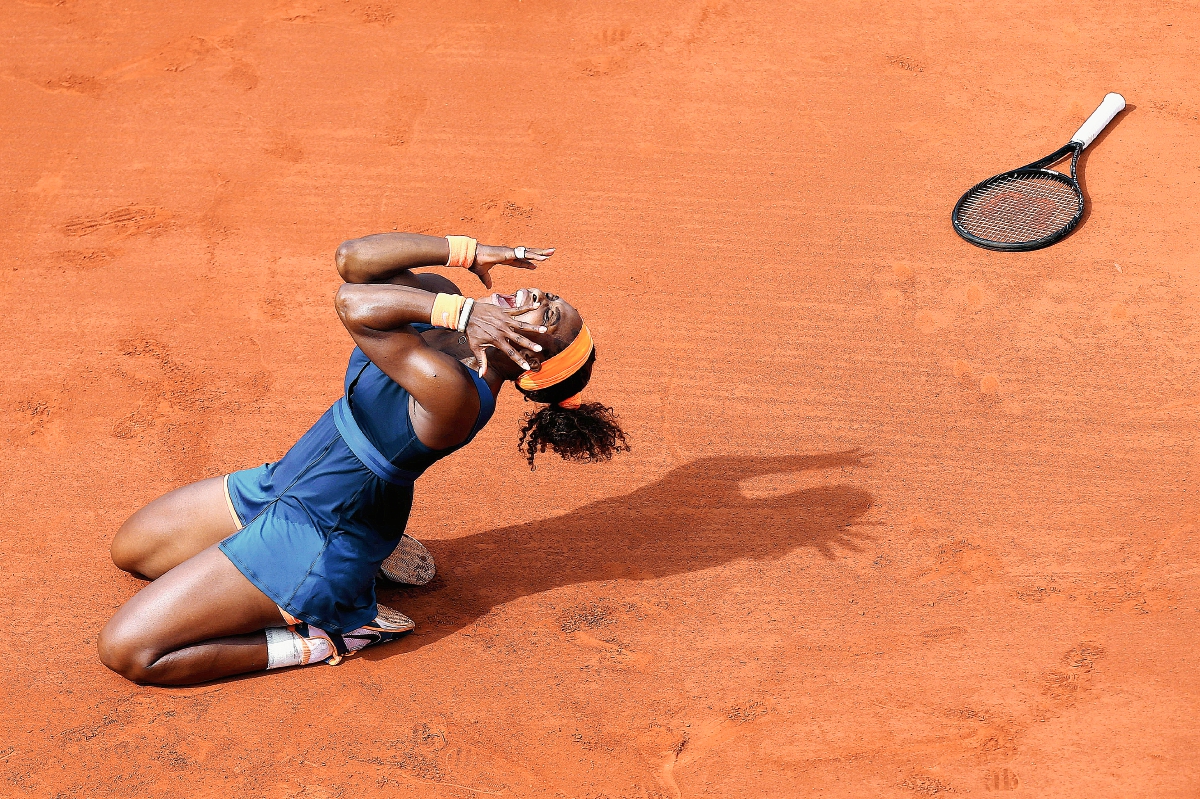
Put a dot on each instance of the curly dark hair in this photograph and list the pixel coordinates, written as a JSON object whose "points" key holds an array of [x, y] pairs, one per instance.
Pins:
{"points": [[590, 432]]}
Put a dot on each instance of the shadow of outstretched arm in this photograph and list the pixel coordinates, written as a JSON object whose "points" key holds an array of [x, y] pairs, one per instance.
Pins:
{"points": [[697, 516]]}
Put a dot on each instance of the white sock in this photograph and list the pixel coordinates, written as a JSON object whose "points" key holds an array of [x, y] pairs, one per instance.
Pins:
{"points": [[288, 648]]}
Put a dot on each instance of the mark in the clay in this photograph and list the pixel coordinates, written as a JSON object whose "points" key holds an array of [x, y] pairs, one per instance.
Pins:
{"points": [[1001, 779], [923, 783], [378, 14], [286, 150], [242, 74], [76, 84], [125, 221], [906, 63], [942, 633]]}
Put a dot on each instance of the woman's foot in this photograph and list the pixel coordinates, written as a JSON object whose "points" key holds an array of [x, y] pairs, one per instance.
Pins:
{"points": [[410, 563], [301, 644], [389, 625]]}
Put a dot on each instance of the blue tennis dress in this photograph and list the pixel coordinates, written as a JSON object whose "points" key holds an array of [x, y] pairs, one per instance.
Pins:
{"points": [[317, 524]]}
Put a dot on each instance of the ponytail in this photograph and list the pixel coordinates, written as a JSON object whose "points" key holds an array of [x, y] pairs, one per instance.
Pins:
{"points": [[587, 431]]}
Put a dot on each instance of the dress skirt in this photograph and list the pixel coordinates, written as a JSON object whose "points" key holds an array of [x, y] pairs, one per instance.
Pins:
{"points": [[315, 527]]}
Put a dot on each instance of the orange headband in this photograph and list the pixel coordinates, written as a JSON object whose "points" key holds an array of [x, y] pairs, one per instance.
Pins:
{"points": [[571, 402], [561, 366]]}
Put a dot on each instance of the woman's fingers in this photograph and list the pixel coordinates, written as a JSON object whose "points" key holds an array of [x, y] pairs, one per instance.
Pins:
{"points": [[517, 324], [531, 254], [520, 324], [481, 356], [517, 358], [522, 342], [491, 326], [521, 309], [532, 258], [515, 312]]}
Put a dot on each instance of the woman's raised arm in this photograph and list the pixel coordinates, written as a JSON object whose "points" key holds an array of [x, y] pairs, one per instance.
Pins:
{"points": [[387, 257], [380, 257], [378, 319]]}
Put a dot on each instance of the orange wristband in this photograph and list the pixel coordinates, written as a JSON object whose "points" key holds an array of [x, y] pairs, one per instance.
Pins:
{"points": [[446, 308], [462, 251]]}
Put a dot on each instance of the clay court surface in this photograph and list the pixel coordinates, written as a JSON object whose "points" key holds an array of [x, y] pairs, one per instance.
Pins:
{"points": [[903, 517]]}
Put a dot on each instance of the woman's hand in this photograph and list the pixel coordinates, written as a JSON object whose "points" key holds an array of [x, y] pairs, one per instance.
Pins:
{"points": [[487, 256], [492, 326]]}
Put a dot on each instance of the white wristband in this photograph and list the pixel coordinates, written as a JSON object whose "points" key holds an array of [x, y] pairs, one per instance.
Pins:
{"points": [[464, 315]]}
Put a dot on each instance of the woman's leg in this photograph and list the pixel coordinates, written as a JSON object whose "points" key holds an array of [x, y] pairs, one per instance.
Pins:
{"points": [[200, 621], [173, 528]]}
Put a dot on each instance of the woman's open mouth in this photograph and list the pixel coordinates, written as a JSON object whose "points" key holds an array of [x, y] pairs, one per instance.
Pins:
{"points": [[512, 300]]}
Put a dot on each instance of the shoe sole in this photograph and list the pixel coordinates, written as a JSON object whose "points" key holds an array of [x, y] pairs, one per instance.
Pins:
{"points": [[410, 563]]}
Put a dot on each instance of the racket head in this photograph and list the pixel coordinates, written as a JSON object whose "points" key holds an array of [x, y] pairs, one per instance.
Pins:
{"points": [[1019, 210]]}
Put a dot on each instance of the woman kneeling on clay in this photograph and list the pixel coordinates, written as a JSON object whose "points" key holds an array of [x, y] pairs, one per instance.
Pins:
{"points": [[275, 566]]}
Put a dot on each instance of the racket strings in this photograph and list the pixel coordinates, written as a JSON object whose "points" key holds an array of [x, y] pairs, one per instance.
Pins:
{"points": [[1019, 208]]}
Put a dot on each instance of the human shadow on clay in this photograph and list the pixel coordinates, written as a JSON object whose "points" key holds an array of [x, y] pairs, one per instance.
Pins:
{"points": [[694, 518]]}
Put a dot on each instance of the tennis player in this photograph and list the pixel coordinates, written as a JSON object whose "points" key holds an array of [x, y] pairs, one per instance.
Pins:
{"points": [[275, 566]]}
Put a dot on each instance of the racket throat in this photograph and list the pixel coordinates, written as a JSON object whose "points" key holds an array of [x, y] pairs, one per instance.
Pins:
{"points": [[1072, 149]]}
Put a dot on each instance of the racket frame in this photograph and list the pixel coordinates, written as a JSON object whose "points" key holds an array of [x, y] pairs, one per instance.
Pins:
{"points": [[1037, 168]]}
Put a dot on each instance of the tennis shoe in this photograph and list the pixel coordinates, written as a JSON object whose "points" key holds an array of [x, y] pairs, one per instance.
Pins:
{"points": [[389, 625], [410, 563]]}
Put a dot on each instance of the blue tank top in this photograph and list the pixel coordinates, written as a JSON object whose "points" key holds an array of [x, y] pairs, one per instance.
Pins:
{"points": [[380, 407]]}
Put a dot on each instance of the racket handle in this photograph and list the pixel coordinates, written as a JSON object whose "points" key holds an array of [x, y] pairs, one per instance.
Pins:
{"points": [[1088, 131]]}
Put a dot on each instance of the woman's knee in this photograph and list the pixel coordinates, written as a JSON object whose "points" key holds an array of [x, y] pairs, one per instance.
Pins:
{"points": [[121, 650], [131, 546], [172, 528]]}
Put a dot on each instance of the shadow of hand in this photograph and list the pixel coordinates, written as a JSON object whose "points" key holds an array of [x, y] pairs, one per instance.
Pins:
{"points": [[697, 516]]}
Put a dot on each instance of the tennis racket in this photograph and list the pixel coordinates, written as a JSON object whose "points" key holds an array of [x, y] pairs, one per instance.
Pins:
{"points": [[1031, 207]]}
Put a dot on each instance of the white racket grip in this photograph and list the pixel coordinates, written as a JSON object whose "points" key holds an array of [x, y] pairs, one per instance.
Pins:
{"points": [[1098, 121]]}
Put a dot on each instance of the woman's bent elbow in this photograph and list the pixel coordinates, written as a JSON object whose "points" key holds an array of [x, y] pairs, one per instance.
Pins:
{"points": [[349, 261], [344, 304], [352, 303]]}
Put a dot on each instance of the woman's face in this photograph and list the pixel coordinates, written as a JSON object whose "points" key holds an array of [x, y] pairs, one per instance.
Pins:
{"points": [[561, 320]]}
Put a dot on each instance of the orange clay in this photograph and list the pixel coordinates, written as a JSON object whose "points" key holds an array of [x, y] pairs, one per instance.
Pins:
{"points": [[561, 366], [462, 251]]}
